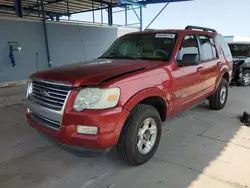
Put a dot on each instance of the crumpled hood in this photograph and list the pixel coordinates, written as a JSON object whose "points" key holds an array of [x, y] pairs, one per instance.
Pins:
{"points": [[239, 58], [91, 72], [241, 62]]}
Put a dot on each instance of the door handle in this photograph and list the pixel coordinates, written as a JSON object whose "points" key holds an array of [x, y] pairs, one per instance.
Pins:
{"points": [[220, 63], [199, 69]]}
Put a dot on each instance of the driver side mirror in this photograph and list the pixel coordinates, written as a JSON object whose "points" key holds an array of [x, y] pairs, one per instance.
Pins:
{"points": [[189, 60]]}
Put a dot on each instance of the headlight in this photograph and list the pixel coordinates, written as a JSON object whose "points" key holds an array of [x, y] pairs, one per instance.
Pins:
{"points": [[96, 98], [29, 89]]}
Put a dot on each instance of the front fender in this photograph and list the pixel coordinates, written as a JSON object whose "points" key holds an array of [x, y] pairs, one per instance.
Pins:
{"points": [[133, 101]]}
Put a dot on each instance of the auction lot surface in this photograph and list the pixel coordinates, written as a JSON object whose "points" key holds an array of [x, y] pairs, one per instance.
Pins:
{"points": [[199, 148]]}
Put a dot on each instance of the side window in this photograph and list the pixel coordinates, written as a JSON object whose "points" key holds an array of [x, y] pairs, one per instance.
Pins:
{"points": [[223, 45], [208, 48], [189, 46]]}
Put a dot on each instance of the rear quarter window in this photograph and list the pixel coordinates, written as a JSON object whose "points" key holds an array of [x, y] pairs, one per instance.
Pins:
{"points": [[223, 45]]}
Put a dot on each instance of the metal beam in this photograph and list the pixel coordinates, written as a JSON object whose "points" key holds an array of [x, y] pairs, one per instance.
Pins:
{"points": [[57, 18], [128, 8], [101, 13], [140, 18], [169, 1], [105, 3], [51, 2], [93, 12], [37, 3], [126, 15], [18, 8], [68, 9], [77, 12], [46, 35], [131, 3], [110, 16], [28, 10], [136, 12], [161, 1]]}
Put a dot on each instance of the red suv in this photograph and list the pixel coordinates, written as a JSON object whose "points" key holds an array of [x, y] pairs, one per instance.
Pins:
{"points": [[121, 98]]}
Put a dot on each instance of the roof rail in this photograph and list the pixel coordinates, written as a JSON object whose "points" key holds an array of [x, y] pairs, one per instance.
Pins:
{"points": [[191, 27]]}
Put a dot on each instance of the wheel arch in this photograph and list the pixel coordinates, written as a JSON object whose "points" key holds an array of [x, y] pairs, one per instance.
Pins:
{"points": [[224, 74], [150, 96]]}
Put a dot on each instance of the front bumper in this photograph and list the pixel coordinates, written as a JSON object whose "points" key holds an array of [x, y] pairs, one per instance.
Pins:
{"points": [[109, 123]]}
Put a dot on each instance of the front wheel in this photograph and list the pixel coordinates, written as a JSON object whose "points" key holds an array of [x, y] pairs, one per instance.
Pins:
{"points": [[140, 135], [245, 80], [219, 99]]}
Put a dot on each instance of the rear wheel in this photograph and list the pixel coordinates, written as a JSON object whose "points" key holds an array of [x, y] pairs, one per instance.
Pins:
{"points": [[219, 99], [140, 135], [245, 80]]}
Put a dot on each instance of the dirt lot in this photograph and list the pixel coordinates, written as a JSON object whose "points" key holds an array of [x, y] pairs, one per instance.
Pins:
{"points": [[200, 149]]}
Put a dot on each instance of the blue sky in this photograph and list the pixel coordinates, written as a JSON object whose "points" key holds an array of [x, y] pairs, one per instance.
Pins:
{"points": [[229, 17]]}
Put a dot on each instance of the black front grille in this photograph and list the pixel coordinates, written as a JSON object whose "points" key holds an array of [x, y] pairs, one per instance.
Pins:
{"points": [[51, 124], [51, 96]]}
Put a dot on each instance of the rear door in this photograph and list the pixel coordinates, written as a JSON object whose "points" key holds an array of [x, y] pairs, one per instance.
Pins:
{"points": [[210, 61]]}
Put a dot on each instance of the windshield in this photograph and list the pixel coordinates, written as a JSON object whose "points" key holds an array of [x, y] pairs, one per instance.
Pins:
{"points": [[143, 46], [238, 50]]}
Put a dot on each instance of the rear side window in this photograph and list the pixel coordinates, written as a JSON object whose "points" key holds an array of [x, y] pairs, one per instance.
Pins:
{"points": [[223, 45], [208, 48]]}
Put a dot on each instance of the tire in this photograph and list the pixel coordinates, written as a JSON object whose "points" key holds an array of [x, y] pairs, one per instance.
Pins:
{"points": [[215, 101], [134, 126], [245, 79]]}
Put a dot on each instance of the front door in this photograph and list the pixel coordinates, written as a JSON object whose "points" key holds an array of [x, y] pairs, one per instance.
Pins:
{"points": [[188, 81]]}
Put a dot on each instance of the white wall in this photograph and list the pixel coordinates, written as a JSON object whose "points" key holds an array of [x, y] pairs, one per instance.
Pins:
{"points": [[68, 43], [123, 30]]}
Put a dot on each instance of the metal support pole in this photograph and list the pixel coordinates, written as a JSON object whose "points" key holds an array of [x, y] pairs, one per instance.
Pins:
{"points": [[110, 16], [101, 13], [45, 35], [68, 9], [158, 14], [93, 12], [140, 18], [126, 15], [38, 10], [18, 5], [57, 18]]}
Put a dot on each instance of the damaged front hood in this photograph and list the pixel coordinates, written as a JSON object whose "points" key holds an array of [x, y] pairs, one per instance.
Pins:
{"points": [[92, 72], [241, 62]]}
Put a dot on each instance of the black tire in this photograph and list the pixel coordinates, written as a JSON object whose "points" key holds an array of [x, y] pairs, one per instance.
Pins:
{"points": [[127, 145], [242, 82], [215, 102]]}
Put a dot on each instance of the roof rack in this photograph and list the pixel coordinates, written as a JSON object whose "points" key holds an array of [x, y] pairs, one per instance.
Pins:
{"points": [[191, 27]]}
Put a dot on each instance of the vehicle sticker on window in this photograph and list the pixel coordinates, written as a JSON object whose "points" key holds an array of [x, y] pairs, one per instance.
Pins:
{"points": [[165, 35]]}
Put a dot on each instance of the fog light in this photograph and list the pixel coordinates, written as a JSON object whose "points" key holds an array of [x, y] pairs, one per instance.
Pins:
{"points": [[83, 129]]}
